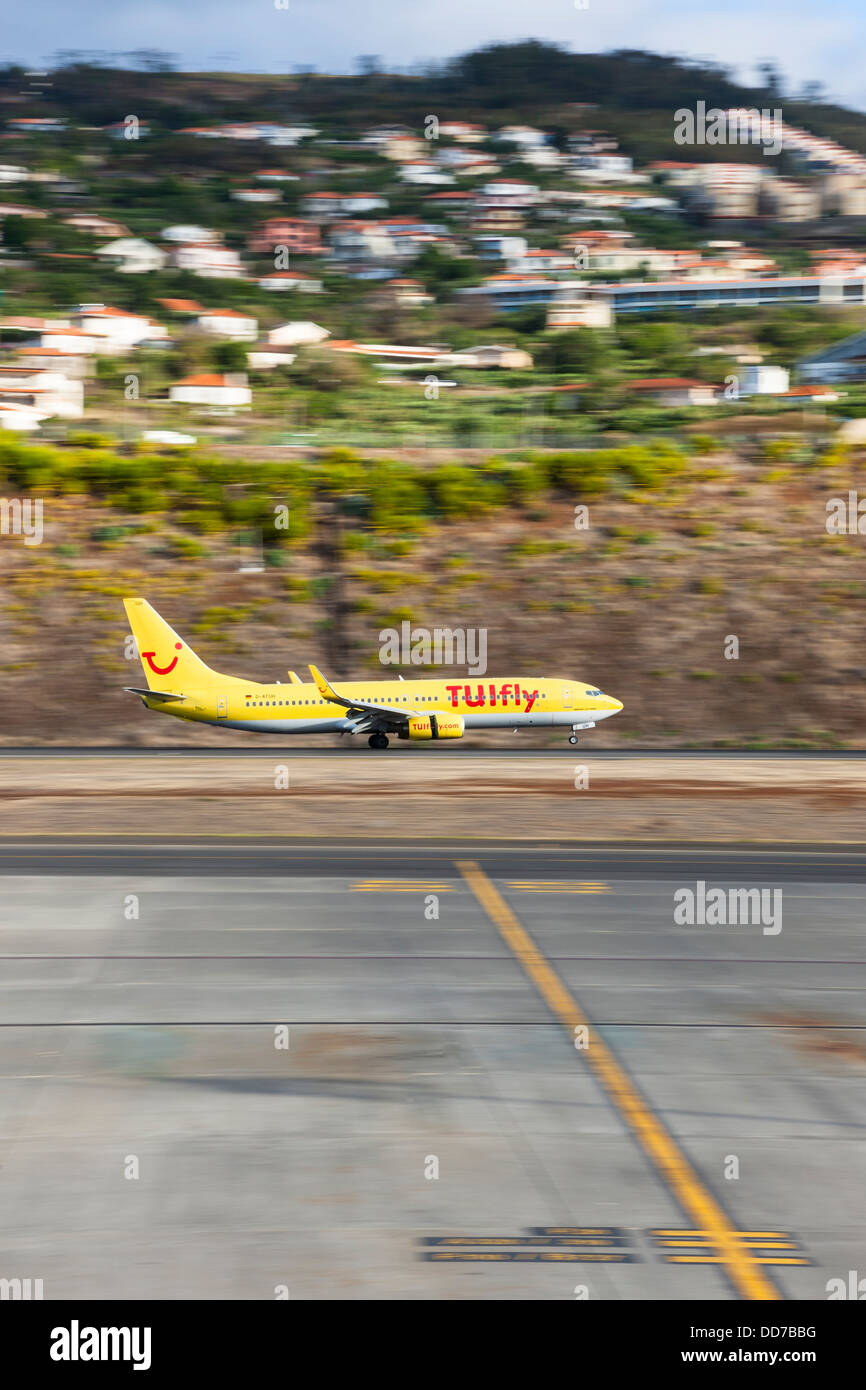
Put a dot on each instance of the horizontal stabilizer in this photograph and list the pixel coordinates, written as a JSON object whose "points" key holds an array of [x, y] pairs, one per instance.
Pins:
{"points": [[152, 694]]}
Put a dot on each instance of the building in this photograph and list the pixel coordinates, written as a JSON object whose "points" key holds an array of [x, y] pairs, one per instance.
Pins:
{"points": [[263, 357], [187, 232], [42, 389], [541, 260], [410, 294], [133, 256], [298, 235], [256, 195], [464, 132], [785, 200], [841, 361], [493, 355], [114, 330], [524, 136], [600, 165], [637, 297], [673, 391], [298, 332], [75, 365], [762, 379], [217, 388], [579, 312], [519, 291], [328, 205], [95, 225], [37, 125], [60, 337], [184, 308], [210, 261], [276, 176], [229, 323], [20, 417], [290, 280]]}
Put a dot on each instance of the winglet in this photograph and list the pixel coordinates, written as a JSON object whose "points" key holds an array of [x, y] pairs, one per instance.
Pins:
{"points": [[295, 678], [326, 691]]}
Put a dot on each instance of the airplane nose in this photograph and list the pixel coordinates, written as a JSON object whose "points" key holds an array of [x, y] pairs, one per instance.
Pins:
{"points": [[615, 705]]}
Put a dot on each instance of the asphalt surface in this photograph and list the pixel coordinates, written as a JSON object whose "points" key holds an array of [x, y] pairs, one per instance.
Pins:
{"points": [[349, 748], [435, 1093]]}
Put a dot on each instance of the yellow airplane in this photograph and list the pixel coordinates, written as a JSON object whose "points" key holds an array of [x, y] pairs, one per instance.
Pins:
{"points": [[179, 683]]}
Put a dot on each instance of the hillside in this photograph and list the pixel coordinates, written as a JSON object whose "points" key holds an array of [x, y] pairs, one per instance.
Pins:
{"points": [[682, 551]]}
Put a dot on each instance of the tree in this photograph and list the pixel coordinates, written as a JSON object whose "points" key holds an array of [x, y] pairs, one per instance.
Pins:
{"points": [[229, 357]]}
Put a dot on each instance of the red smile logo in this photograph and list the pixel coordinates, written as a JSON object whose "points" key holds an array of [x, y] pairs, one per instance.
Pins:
{"points": [[161, 670]]}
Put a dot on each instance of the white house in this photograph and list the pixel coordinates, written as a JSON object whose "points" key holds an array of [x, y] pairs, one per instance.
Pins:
{"points": [[276, 176], [527, 136], [114, 329], [43, 390], [218, 388], [290, 280], [410, 294], [187, 232], [762, 379], [57, 338], [464, 132], [229, 323], [210, 261], [265, 356], [493, 355], [579, 312], [673, 391], [133, 255], [327, 205], [297, 332], [94, 224], [20, 417], [256, 195], [71, 364]]}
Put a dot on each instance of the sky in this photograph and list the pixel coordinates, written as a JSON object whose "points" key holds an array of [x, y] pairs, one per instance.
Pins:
{"points": [[809, 42]]}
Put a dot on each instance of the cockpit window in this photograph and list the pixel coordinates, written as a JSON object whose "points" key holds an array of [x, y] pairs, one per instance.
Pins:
{"points": [[593, 692]]}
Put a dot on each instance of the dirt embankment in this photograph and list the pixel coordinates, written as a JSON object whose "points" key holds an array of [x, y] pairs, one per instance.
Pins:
{"points": [[410, 794]]}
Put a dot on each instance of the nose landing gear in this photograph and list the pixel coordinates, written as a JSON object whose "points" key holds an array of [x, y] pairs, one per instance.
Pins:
{"points": [[378, 740], [572, 738]]}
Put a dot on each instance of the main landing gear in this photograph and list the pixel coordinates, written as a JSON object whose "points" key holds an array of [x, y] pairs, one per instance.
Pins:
{"points": [[378, 740]]}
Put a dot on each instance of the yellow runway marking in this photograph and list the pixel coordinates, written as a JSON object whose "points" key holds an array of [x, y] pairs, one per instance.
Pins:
{"points": [[395, 885], [540, 885], [720, 1259], [742, 1267]]}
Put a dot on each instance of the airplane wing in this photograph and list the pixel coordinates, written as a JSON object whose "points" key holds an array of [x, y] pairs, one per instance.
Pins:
{"points": [[371, 712], [154, 694]]}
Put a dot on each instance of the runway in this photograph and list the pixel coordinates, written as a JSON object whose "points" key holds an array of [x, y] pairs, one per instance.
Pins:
{"points": [[347, 748], [510, 1073]]}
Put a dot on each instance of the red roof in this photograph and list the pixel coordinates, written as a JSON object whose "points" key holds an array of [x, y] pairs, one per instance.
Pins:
{"points": [[203, 379], [181, 306]]}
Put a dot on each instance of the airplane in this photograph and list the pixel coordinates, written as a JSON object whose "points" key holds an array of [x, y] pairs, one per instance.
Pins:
{"points": [[179, 683]]}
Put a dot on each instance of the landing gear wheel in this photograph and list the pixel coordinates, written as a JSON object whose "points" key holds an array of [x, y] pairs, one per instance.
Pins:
{"points": [[572, 738], [378, 740]]}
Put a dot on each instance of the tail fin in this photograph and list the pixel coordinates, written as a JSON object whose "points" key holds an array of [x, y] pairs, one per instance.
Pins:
{"points": [[168, 663]]}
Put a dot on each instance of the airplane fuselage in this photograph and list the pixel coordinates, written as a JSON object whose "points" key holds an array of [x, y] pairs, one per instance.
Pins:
{"points": [[515, 702]]}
